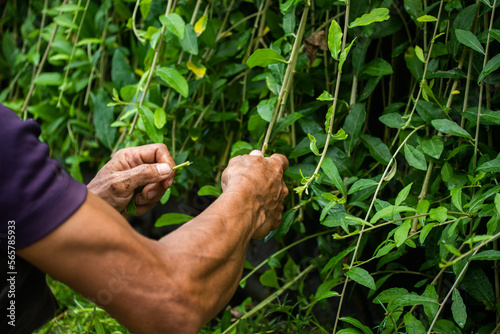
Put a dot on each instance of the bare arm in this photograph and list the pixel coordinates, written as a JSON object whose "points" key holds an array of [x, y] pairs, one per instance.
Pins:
{"points": [[177, 284]]}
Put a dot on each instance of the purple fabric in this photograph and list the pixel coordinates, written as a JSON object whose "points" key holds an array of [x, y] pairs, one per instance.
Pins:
{"points": [[34, 190]]}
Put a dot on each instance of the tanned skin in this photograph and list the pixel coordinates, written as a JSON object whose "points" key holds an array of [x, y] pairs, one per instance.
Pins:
{"points": [[176, 284]]}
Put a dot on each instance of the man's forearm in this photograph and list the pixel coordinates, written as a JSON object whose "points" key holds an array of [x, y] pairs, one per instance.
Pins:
{"points": [[209, 252]]}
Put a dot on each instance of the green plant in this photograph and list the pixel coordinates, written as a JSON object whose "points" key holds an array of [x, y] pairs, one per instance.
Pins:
{"points": [[386, 109]]}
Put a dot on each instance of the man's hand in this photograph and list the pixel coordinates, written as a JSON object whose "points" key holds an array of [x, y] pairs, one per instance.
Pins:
{"points": [[261, 181], [130, 168]]}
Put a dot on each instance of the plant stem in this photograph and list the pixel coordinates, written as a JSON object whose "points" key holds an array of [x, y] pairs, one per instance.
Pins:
{"points": [[39, 70], [423, 192], [151, 71], [283, 95], [273, 296], [427, 60], [134, 28], [334, 107], [66, 73], [450, 292], [366, 217], [481, 85], [284, 249]]}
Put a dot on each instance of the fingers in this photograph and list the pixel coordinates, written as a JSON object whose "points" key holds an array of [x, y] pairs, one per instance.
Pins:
{"points": [[145, 174], [283, 161], [149, 154], [150, 194]]}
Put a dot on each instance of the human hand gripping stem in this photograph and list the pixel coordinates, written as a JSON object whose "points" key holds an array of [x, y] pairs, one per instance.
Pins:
{"points": [[261, 179], [147, 166]]}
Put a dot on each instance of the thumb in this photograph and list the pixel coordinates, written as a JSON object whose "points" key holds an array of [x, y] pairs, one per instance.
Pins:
{"points": [[147, 173]]}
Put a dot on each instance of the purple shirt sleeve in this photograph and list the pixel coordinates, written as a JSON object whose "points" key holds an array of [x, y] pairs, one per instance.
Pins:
{"points": [[35, 192]]}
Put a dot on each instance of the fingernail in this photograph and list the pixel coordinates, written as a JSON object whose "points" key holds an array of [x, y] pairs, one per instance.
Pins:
{"points": [[170, 182], [151, 194], [256, 152], [164, 169]]}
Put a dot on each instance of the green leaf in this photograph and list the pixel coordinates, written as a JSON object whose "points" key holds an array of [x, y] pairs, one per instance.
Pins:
{"points": [[403, 194], [323, 290], [240, 147], [160, 118], [336, 259], [456, 197], [325, 96], [69, 7], [269, 278], [414, 299], [425, 231], [490, 166], [131, 208], [413, 325], [86, 41], [352, 125], [440, 214], [393, 120], [148, 118], [335, 39], [377, 68], [414, 64], [420, 54], [390, 211], [492, 65], [414, 8], [361, 276], [446, 326], [265, 108], [166, 196], [478, 285], [415, 158], [452, 250], [402, 232], [209, 191], [431, 309], [378, 150], [264, 57], [286, 223], [332, 172], [49, 79], [497, 203], [468, 39], [360, 185], [495, 33], [426, 18], [174, 79], [343, 55], [174, 24], [358, 324], [103, 117], [450, 127], [432, 147], [376, 15], [340, 135], [121, 71], [190, 41], [458, 309], [168, 219], [312, 144], [490, 255]]}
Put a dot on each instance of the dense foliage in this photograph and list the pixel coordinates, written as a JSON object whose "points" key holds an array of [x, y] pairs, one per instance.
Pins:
{"points": [[387, 110]]}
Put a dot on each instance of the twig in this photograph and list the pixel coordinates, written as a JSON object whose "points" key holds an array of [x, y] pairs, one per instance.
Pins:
{"points": [[283, 95]]}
